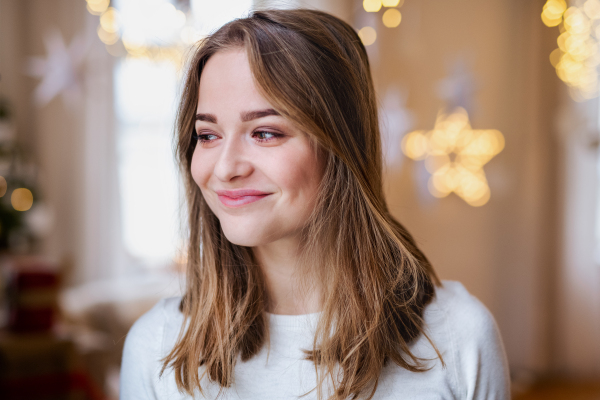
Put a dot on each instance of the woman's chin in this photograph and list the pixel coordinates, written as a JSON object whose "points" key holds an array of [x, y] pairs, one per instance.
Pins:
{"points": [[239, 238], [243, 241]]}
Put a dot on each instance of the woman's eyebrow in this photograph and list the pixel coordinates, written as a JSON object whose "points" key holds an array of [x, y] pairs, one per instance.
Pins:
{"points": [[244, 116], [250, 115], [206, 118]]}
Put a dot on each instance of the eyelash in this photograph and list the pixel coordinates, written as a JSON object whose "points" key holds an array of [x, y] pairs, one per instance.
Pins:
{"points": [[202, 137]]}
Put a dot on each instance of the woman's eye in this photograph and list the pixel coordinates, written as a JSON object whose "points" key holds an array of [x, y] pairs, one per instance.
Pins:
{"points": [[206, 137], [264, 136]]}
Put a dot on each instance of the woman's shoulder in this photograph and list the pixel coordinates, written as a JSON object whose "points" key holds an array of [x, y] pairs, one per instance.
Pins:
{"points": [[467, 335], [157, 328], [147, 343], [458, 317], [462, 310], [164, 313]]}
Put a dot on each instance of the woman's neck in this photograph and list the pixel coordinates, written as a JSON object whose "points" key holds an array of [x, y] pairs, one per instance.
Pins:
{"points": [[279, 264]]}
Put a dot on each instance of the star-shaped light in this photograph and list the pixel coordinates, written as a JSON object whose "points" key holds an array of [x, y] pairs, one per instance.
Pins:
{"points": [[454, 155], [60, 70]]}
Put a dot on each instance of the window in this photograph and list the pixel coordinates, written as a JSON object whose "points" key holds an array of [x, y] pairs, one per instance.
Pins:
{"points": [[146, 94]]}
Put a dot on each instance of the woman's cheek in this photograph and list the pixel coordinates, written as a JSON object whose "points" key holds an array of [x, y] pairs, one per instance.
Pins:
{"points": [[199, 170]]}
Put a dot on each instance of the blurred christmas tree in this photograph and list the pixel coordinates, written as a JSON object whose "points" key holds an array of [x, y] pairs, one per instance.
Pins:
{"points": [[17, 189]]}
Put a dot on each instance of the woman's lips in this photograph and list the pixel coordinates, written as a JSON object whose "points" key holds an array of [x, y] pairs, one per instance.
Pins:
{"points": [[240, 197]]}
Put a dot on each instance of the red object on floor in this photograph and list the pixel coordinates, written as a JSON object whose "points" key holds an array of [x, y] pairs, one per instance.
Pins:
{"points": [[24, 319], [29, 280], [50, 386], [32, 295]]}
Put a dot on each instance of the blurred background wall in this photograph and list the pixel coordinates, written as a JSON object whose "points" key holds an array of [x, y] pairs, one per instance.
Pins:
{"points": [[528, 253]]}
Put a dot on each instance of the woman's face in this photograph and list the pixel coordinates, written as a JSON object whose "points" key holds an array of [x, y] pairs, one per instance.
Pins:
{"points": [[257, 171]]}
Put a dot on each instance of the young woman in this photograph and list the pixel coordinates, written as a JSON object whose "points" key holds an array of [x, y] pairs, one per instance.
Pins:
{"points": [[299, 281]]}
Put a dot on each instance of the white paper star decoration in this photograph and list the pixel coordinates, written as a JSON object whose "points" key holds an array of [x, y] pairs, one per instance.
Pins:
{"points": [[60, 71]]}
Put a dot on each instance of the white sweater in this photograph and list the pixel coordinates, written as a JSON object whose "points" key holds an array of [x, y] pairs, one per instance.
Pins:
{"points": [[460, 326]]}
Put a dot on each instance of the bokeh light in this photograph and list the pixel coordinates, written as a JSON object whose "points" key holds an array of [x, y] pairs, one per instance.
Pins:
{"points": [[21, 199], [391, 18], [109, 21], [392, 3], [156, 29], [553, 12], [3, 186], [372, 5], [454, 155], [577, 57], [367, 35], [107, 37], [97, 7]]}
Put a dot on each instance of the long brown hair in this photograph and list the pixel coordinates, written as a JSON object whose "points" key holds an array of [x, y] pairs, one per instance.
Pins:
{"points": [[313, 69]]}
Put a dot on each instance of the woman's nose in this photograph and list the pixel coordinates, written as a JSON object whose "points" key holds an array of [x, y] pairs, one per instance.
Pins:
{"points": [[232, 162]]}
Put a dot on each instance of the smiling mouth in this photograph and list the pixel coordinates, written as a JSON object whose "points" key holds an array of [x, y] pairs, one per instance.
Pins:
{"points": [[239, 198]]}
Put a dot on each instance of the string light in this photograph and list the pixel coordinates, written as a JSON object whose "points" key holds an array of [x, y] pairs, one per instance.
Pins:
{"points": [[454, 155], [21, 199], [3, 186], [553, 12], [109, 20], [367, 35], [577, 57], [392, 3], [108, 38], [372, 5], [97, 7], [163, 16], [391, 18]]}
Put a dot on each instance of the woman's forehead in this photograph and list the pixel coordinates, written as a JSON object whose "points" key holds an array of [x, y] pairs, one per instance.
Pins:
{"points": [[227, 83]]}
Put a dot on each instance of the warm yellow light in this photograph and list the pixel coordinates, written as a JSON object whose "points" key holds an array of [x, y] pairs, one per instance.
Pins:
{"points": [[436, 162], [3, 186], [437, 188], [550, 22], [573, 42], [576, 22], [391, 18], [440, 141], [97, 7], [577, 57], [561, 41], [593, 61], [553, 11], [592, 9], [392, 3], [555, 8], [472, 149], [110, 20], [367, 35], [21, 199], [479, 199], [415, 145], [133, 49], [107, 37], [441, 182], [372, 5]]}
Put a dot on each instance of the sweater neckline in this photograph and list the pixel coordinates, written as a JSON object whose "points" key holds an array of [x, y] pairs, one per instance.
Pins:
{"points": [[295, 322]]}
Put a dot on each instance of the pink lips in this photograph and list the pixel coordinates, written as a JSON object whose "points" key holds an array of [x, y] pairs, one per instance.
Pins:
{"points": [[240, 197]]}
